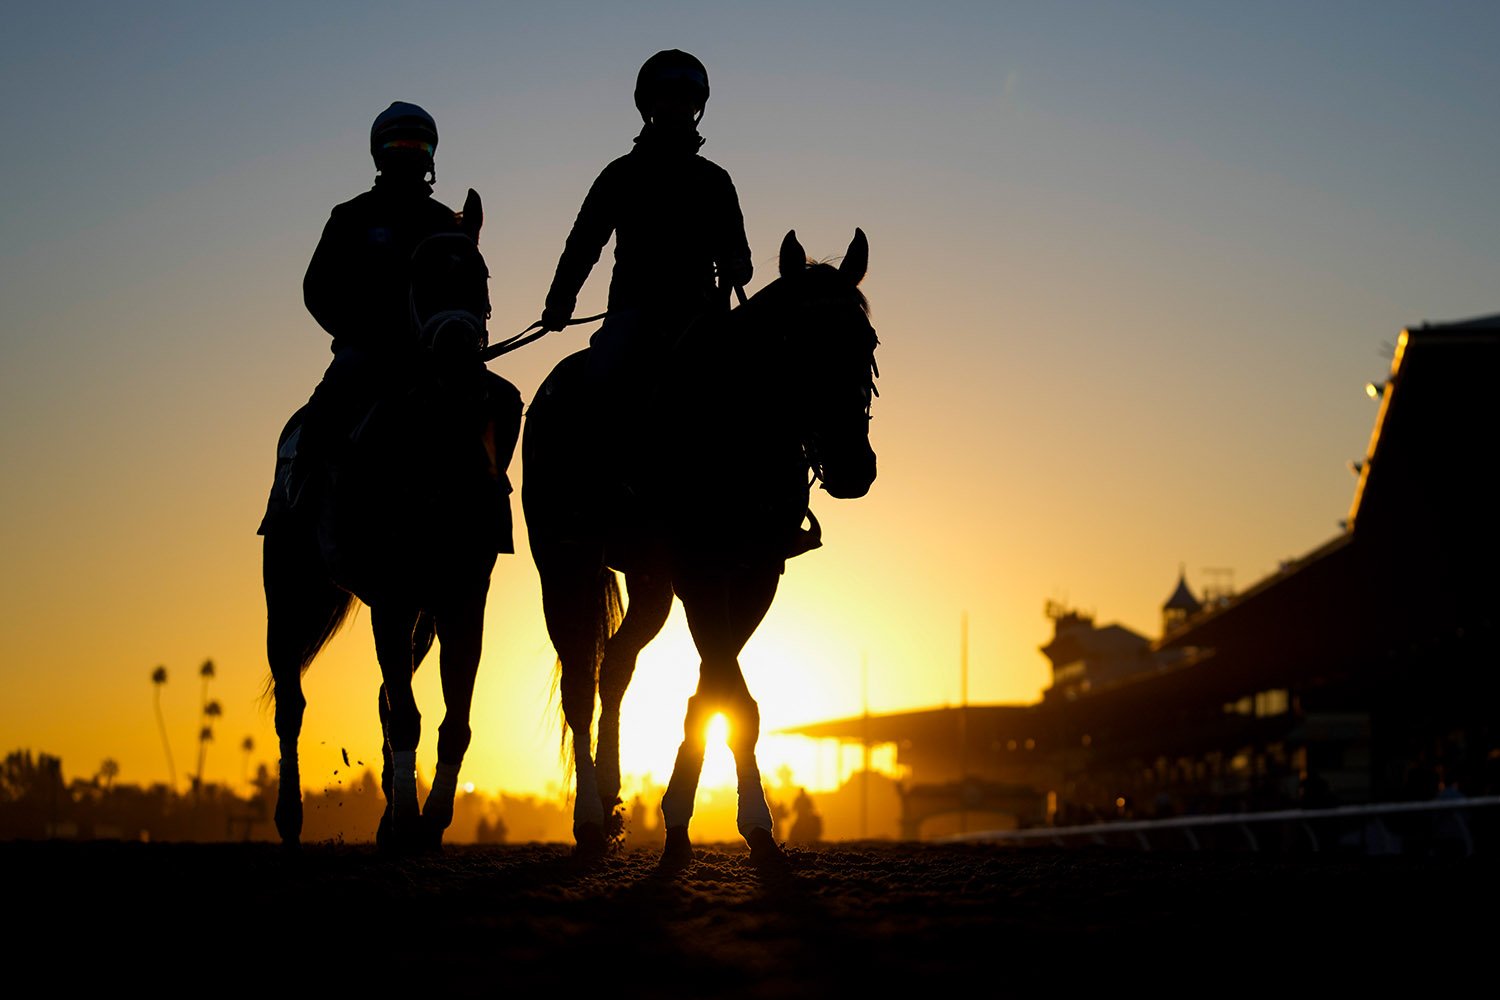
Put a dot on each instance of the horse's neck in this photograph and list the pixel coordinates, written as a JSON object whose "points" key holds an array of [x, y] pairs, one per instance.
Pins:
{"points": [[715, 369], [727, 394]]}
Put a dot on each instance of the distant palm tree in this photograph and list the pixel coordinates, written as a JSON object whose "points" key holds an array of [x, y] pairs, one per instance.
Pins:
{"points": [[207, 673], [158, 681], [248, 745], [211, 711], [109, 769]]}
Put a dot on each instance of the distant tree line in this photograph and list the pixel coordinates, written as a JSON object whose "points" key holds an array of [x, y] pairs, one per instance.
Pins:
{"points": [[38, 803]]}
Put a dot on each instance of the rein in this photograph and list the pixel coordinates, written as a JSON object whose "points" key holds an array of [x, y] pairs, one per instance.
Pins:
{"points": [[526, 336], [535, 332]]}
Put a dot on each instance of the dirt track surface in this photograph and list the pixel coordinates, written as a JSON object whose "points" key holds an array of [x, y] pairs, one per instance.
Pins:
{"points": [[867, 919]]}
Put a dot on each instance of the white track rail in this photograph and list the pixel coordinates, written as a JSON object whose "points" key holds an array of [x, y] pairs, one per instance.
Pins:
{"points": [[1097, 833]]}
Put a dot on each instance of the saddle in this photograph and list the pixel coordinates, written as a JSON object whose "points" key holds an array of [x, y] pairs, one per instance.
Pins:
{"points": [[397, 485]]}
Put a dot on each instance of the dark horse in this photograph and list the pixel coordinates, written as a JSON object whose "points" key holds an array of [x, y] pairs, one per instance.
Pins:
{"points": [[751, 406], [409, 520]]}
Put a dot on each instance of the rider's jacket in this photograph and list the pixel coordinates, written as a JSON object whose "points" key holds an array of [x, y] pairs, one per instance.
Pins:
{"points": [[676, 221], [356, 286]]}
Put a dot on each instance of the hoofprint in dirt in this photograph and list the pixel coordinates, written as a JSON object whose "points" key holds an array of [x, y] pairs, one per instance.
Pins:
{"points": [[836, 919]]}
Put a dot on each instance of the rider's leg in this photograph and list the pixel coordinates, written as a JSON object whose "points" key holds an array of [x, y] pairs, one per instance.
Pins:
{"points": [[348, 386]]}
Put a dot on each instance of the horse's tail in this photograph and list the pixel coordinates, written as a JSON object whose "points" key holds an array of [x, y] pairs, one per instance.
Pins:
{"points": [[304, 609], [590, 614], [338, 613]]}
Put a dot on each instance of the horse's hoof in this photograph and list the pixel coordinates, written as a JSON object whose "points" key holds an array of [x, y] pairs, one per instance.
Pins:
{"points": [[289, 821], [589, 842], [435, 822], [678, 853], [764, 851], [401, 838], [430, 838]]}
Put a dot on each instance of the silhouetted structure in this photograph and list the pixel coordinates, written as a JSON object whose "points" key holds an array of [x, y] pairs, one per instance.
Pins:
{"points": [[1350, 676], [754, 403]]}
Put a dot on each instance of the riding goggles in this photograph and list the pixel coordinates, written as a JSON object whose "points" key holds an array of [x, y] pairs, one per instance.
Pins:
{"points": [[426, 147]]}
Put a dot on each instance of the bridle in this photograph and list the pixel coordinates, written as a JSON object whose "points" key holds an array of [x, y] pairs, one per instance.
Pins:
{"points": [[810, 435]]}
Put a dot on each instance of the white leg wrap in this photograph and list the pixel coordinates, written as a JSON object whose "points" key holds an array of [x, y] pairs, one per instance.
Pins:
{"points": [[404, 777], [753, 811]]}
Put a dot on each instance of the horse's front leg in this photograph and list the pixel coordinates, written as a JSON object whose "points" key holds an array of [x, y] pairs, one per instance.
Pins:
{"points": [[394, 628], [460, 632], [650, 601], [723, 610]]}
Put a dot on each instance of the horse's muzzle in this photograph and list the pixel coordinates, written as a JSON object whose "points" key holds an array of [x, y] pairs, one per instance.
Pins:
{"points": [[851, 479]]}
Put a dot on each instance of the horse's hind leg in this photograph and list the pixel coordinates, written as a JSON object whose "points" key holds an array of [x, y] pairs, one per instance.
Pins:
{"points": [[303, 609], [286, 678], [577, 657], [580, 601], [394, 629], [650, 601], [460, 632]]}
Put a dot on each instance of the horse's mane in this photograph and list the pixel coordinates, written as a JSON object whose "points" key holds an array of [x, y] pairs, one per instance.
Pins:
{"points": [[717, 330]]}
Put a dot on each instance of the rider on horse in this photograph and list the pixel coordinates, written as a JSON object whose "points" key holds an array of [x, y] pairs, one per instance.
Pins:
{"points": [[676, 221], [356, 285]]}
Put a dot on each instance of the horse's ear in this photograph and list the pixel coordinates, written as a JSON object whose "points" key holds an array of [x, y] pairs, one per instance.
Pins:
{"points": [[473, 215], [857, 260], [793, 257]]}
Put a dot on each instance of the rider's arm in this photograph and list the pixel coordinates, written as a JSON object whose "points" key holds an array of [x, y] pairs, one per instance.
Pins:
{"points": [[733, 255], [328, 288], [596, 220]]}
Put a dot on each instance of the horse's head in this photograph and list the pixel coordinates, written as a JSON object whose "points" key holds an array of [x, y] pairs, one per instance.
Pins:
{"points": [[450, 300], [830, 359]]}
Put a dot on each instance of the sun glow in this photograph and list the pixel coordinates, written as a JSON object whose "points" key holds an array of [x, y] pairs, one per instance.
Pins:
{"points": [[784, 666], [718, 761], [717, 730]]}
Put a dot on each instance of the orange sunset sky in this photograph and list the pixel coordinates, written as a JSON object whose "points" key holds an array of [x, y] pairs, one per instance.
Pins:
{"points": [[1131, 265]]}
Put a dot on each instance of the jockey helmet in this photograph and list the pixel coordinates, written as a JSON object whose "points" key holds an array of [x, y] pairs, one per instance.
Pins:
{"points": [[670, 73], [406, 131]]}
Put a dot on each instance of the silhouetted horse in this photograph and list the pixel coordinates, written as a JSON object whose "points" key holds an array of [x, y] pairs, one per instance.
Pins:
{"points": [[409, 520], [707, 503]]}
